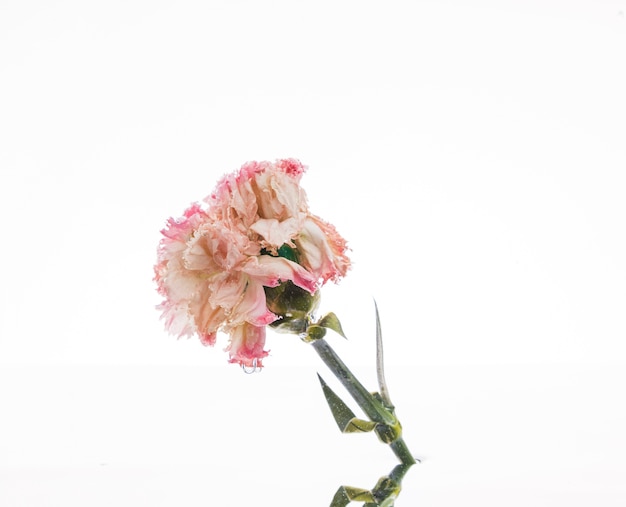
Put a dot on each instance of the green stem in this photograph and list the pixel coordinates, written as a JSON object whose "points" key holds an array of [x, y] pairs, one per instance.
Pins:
{"points": [[372, 407], [398, 473], [401, 450]]}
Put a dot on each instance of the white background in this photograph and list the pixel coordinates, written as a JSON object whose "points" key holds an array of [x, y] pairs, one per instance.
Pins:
{"points": [[474, 157]]}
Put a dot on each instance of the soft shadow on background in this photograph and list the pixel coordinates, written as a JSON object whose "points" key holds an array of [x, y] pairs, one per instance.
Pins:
{"points": [[474, 158]]}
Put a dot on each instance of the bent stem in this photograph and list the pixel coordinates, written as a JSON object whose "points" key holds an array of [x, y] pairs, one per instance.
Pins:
{"points": [[388, 427]]}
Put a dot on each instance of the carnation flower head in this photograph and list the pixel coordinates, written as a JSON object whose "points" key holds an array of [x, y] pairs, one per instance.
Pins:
{"points": [[254, 232]]}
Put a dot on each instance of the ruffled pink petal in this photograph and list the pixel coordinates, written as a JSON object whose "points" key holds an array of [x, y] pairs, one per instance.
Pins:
{"points": [[291, 166], [174, 282], [270, 271], [216, 248], [246, 345], [176, 317], [323, 249], [249, 170], [179, 229], [207, 339]]}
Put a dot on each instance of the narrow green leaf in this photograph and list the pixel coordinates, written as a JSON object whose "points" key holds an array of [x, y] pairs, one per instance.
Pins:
{"points": [[380, 367], [344, 417], [341, 498]]}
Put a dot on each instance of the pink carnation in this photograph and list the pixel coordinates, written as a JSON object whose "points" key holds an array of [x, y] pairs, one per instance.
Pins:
{"points": [[215, 263]]}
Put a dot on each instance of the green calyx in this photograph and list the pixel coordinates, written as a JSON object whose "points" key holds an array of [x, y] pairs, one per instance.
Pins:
{"points": [[293, 305]]}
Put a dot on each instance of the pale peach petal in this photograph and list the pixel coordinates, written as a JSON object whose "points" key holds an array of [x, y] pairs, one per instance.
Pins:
{"points": [[207, 317], [198, 257], [233, 201], [179, 284], [241, 209], [275, 233], [176, 317], [227, 289], [278, 195], [216, 248], [253, 307]]}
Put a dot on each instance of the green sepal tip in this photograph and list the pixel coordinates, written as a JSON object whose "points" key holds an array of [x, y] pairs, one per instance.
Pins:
{"points": [[331, 321], [314, 332]]}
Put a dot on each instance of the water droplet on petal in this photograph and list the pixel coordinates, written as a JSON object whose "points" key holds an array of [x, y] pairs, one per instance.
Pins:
{"points": [[250, 369]]}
